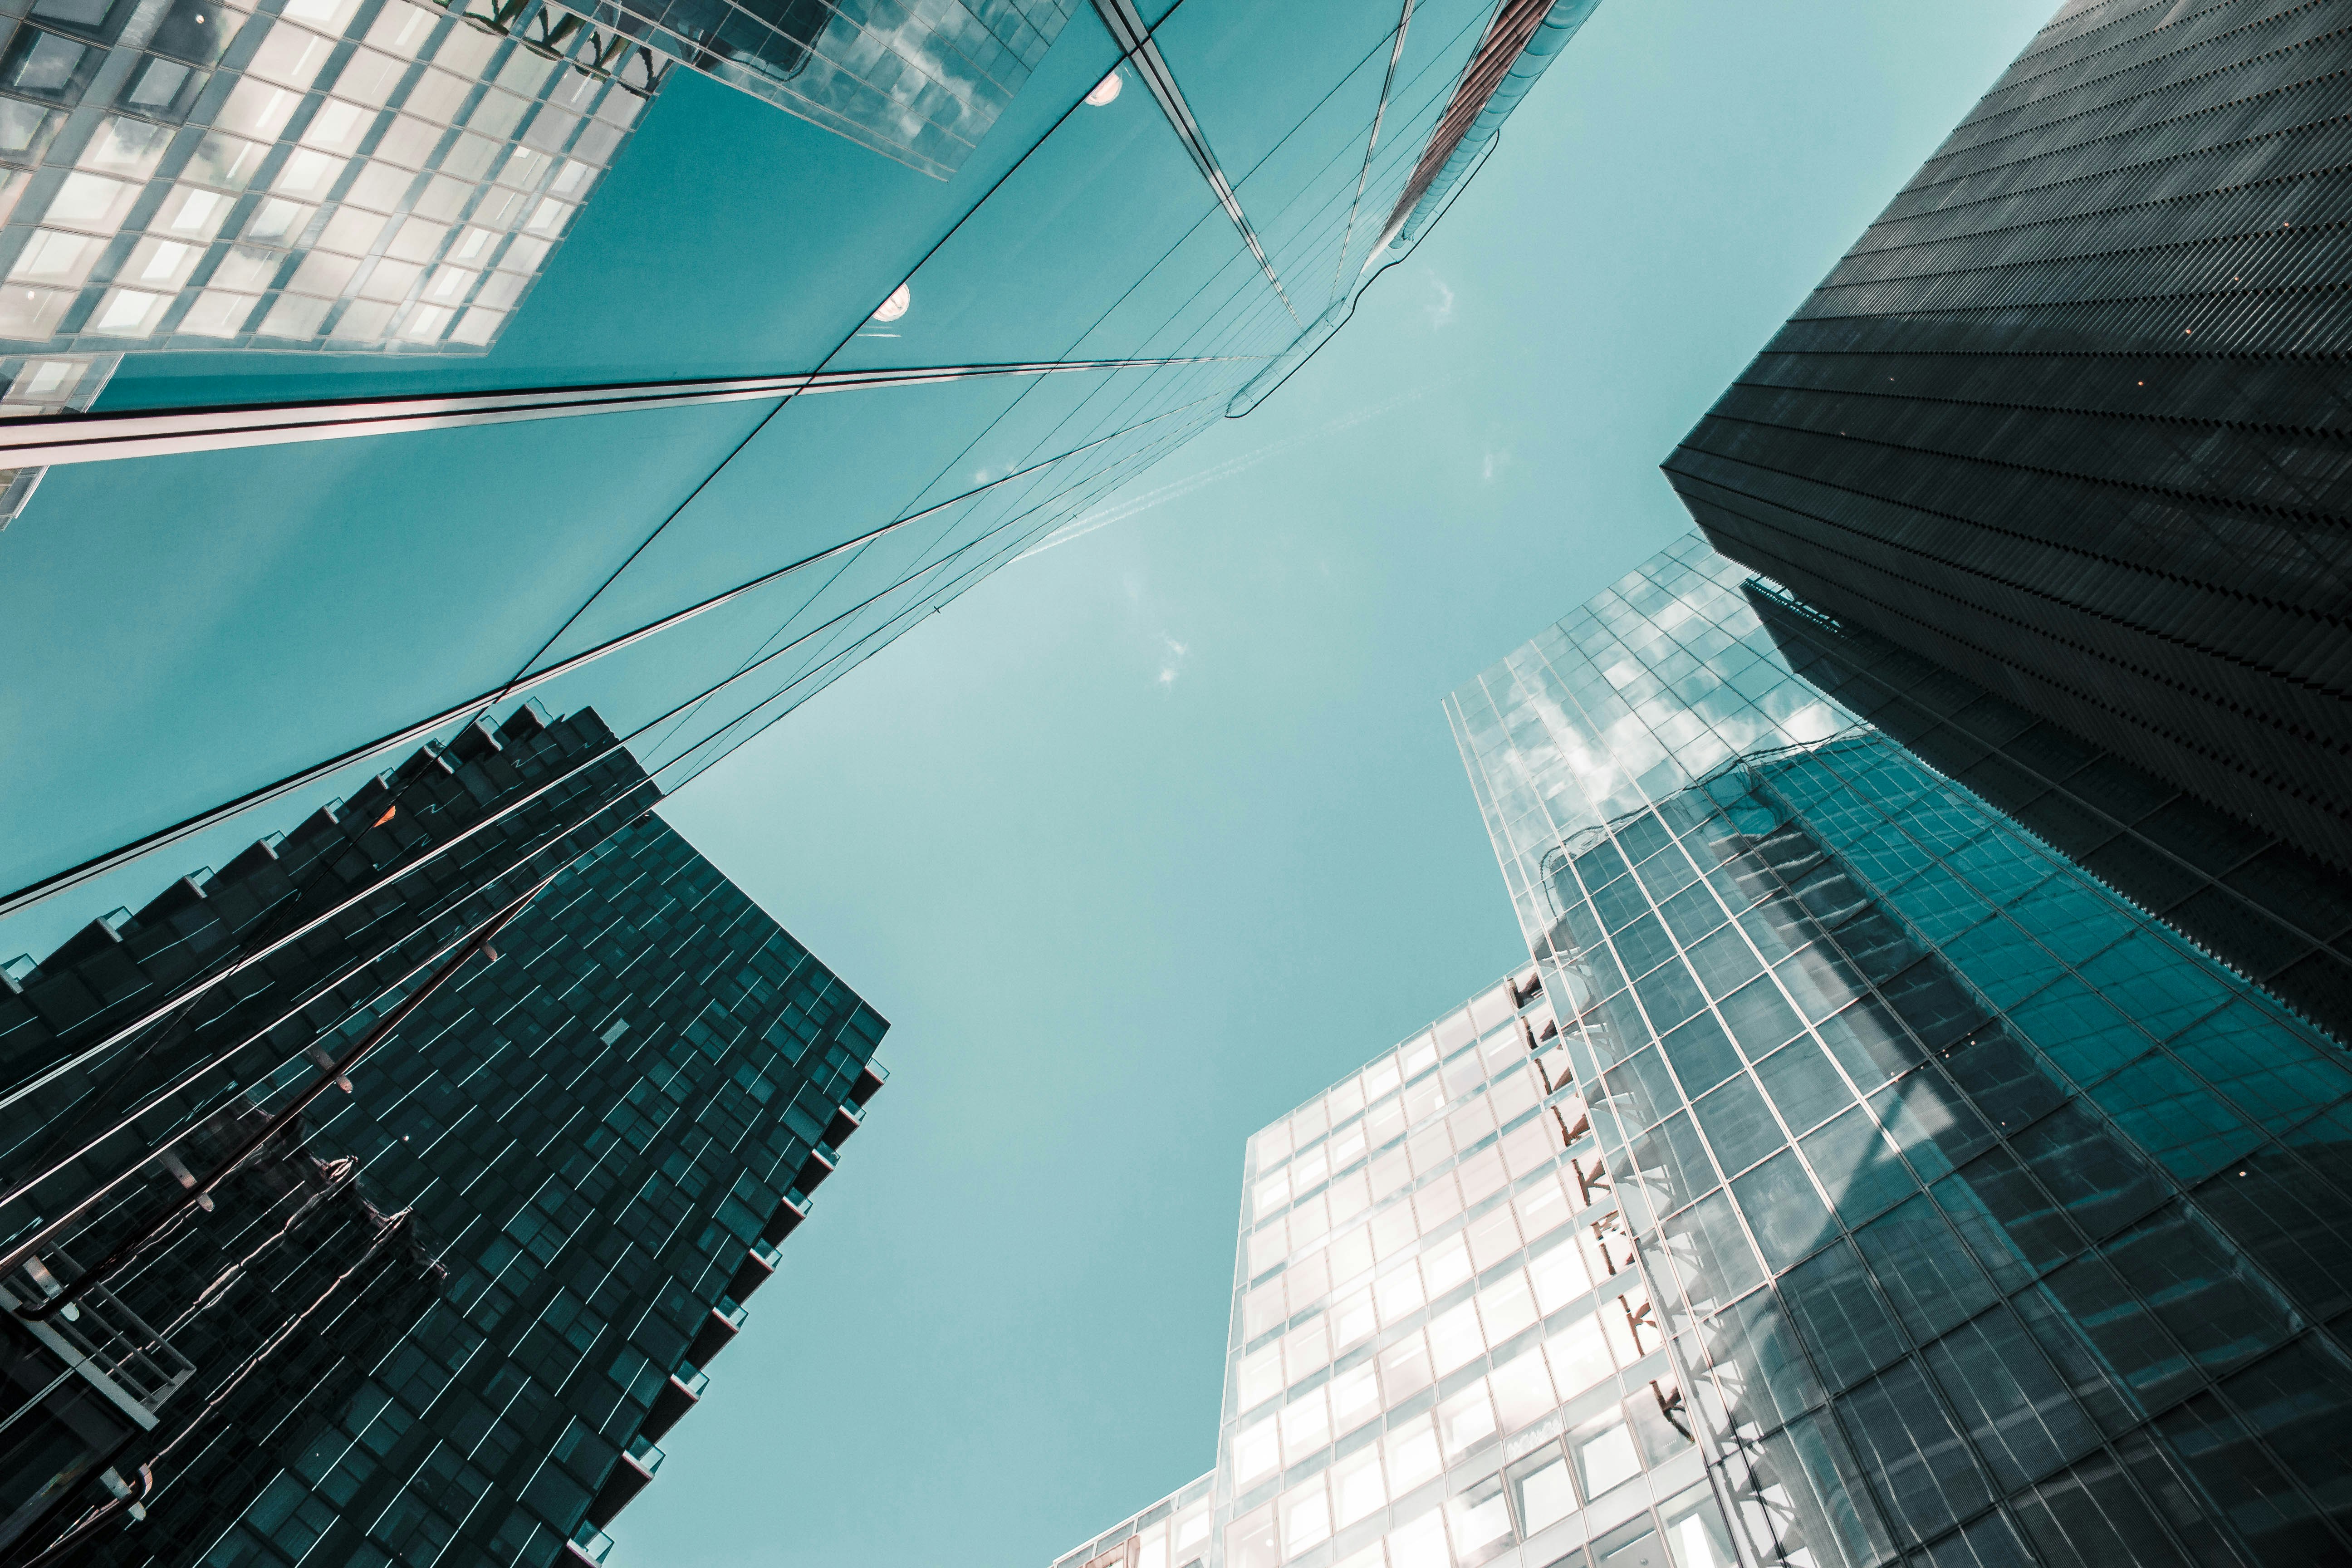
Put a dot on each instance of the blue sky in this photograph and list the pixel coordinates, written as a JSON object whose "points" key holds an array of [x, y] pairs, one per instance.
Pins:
{"points": [[1155, 834], [1139, 843]]}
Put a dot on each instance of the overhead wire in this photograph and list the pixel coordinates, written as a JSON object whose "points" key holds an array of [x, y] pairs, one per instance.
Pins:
{"points": [[25, 1186], [524, 679], [1395, 39], [692, 701]]}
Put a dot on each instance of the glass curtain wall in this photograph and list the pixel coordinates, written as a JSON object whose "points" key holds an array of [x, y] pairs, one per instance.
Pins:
{"points": [[1140, 256], [1442, 1352], [1986, 1218]]}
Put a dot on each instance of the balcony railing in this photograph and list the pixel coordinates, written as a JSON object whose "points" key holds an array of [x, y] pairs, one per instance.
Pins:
{"points": [[136, 1368]]}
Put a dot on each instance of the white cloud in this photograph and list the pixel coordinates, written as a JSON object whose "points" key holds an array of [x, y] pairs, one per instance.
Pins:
{"points": [[1173, 665], [1442, 311]]}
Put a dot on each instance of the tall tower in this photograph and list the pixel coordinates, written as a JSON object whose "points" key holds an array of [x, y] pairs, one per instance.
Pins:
{"points": [[1855, 1179], [1984, 1213], [444, 1296], [2066, 420]]}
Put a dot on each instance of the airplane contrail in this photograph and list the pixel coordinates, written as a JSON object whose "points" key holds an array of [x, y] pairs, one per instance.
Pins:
{"points": [[1120, 510]]}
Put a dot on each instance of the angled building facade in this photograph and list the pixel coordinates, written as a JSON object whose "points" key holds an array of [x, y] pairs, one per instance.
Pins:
{"points": [[2064, 421], [1987, 1218], [348, 175], [1442, 1350], [449, 1298]]}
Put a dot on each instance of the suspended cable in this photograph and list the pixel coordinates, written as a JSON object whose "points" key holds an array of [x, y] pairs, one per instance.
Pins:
{"points": [[61, 881], [1372, 145], [26, 1185], [65, 438], [279, 1121]]}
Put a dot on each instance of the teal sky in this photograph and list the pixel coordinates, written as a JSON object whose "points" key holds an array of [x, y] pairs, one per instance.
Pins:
{"points": [[1155, 834], [1136, 845]]}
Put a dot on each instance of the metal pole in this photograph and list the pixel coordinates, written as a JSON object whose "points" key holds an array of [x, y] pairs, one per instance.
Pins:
{"points": [[55, 439]]}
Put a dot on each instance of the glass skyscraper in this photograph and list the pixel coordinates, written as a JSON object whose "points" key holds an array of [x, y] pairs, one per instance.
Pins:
{"points": [[1855, 1179], [1987, 1220], [367, 175], [446, 1308], [2063, 420], [1441, 1344], [911, 381]]}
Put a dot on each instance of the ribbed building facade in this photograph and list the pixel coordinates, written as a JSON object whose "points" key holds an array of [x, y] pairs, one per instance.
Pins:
{"points": [[446, 1312], [2067, 419]]}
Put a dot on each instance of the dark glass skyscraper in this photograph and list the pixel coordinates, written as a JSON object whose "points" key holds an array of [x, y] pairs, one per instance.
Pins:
{"points": [[2065, 420], [446, 1312], [1985, 1219]]}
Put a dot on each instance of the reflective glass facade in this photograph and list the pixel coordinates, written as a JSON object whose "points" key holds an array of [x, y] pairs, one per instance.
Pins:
{"points": [[1985, 1219], [2063, 419], [349, 174], [1107, 275], [2260, 905], [1442, 1346], [921, 83], [45, 384], [447, 1313]]}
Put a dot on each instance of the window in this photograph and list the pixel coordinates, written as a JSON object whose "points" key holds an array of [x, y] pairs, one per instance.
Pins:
{"points": [[1481, 1521], [1539, 1490], [52, 257], [1604, 1453], [126, 312]]}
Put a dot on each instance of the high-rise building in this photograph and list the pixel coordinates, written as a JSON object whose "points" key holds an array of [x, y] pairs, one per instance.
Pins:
{"points": [[383, 176], [1985, 1218], [348, 175], [919, 83], [443, 1307], [1855, 1179], [1440, 1345], [2262, 906], [933, 378], [2062, 420]]}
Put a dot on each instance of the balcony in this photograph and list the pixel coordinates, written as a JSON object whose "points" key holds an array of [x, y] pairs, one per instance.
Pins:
{"points": [[630, 1476], [718, 1330], [786, 1219], [133, 1365], [589, 1544], [821, 1162], [757, 1268], [681, 1394]]}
